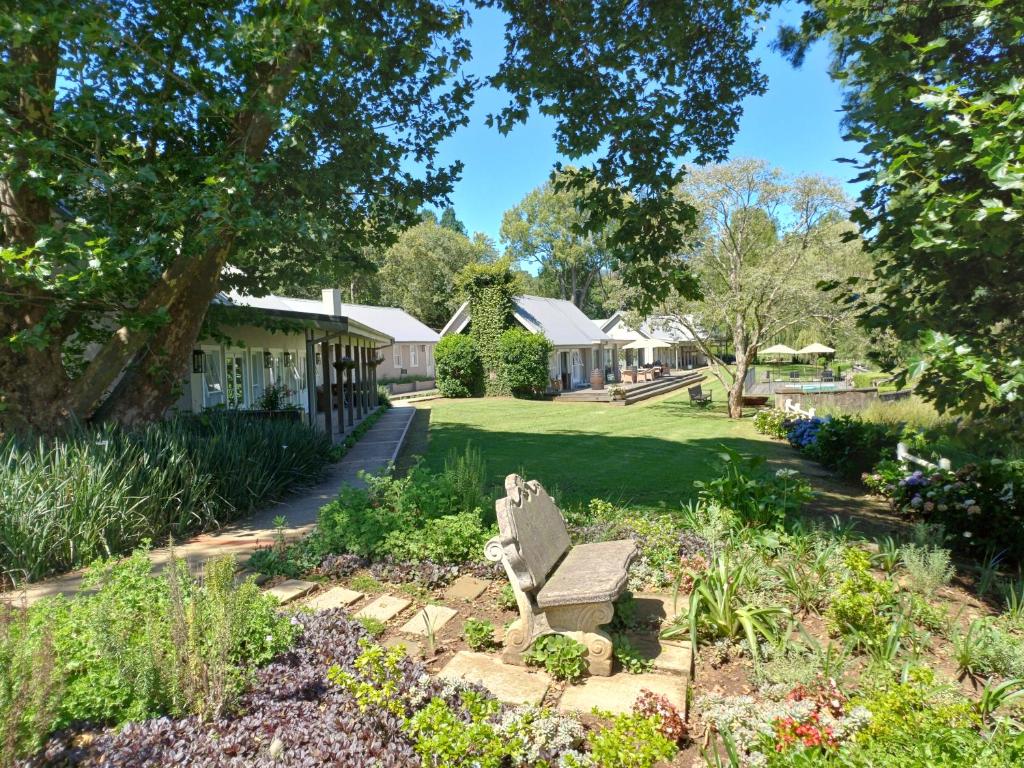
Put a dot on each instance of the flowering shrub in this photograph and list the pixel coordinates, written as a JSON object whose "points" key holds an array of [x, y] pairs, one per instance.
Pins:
{"points": [[813, 720], [978, 505], [803, 433], [773, 422]]}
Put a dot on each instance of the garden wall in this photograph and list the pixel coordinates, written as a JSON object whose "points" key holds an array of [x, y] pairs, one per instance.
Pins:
{"points": [[411, 386], [843, 399]]}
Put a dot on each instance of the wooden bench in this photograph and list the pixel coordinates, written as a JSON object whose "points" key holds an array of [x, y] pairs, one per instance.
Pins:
{"points": [[699, 397], [559, 588]]}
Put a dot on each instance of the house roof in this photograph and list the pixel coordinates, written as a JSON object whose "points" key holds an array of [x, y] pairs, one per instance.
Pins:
{"points": [[395, 322], [560, 321], [389, 323], [666, 328]]}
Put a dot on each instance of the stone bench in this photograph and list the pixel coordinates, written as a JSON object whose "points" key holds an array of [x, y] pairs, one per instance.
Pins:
{"points": [[559, 588]]}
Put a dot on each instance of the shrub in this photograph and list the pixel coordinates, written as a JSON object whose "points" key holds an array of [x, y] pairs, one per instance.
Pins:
{"points": [[450, 539], [802, 433], [757, 497], [458, 368], [852, 446], [562, 657], [479, 634], [523, 358], [418, 518], [100, 492], [772, 422], [928, 568], [979, 506], [140, 646], [670, 720], [863, 605], [631, 741]]}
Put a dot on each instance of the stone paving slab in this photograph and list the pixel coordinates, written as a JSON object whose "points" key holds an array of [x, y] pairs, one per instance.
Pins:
{"points": [[434, 615], [513, 685], [291, 589], [668, 656], [617, 693], [384, 608], [467, 588], [336, 597], [660, 606], [412, 647]]}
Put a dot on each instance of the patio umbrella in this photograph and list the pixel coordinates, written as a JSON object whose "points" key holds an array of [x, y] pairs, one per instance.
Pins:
{"points": [[816, 349], [778, 349]]}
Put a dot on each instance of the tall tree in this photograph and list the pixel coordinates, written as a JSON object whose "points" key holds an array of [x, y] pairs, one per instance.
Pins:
{"points": [[547, 229], [184, 137], [760, 234], [418, 273], [934, 95], [450, 221]]}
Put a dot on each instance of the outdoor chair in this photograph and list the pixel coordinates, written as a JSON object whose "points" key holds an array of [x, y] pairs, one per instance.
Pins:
{"points": [[559, 588], [794, 375], [629, 375], [699, 397]]}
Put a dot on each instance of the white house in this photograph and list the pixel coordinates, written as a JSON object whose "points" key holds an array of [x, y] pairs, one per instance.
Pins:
{"points": [[580, 345], [660, 338], [316, 356]]}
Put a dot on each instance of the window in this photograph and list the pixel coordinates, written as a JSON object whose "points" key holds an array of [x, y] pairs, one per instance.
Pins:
{"points": [[256, 367], [414, 357], [213, 377], [234, 379], [396, 355]]}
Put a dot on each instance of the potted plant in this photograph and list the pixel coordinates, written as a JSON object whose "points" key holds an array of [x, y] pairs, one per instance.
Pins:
{"points": [[617, 392]]}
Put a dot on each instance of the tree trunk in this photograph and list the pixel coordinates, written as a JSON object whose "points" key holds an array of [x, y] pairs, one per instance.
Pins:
{"points": [[736, 391]]}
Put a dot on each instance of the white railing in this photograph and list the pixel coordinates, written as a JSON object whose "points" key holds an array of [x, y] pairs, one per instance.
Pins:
{"points": [[905, 457], [790, 407]]}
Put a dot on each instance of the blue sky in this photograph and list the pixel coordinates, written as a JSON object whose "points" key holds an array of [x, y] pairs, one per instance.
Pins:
{"points": [[795, 126]]}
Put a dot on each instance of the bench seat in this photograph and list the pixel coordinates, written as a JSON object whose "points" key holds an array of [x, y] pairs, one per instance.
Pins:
{"points": [[590, 573]]}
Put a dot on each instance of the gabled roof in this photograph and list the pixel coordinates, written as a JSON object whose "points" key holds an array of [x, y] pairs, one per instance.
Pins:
{"points": [[608, 326], [560, 321], [666, 328], [395, 322]]}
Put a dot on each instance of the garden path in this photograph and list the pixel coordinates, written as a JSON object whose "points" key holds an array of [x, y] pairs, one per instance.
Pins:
{"points": [[377, 448]]}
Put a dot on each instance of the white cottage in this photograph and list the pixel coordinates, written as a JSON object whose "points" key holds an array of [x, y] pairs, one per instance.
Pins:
{"points": [[580, 345]]}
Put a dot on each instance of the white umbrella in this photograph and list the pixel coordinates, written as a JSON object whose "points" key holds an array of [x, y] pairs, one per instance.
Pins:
{"points": [[647, 344], [815, 349], [778, 349]]}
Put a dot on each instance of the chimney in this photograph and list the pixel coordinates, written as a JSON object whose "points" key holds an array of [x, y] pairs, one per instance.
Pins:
{"points": [[331, 298]]}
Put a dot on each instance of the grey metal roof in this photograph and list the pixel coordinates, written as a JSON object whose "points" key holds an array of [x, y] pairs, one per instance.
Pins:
{"points": [[395, 322], [387, 321], [666, 328], [561, 321]]}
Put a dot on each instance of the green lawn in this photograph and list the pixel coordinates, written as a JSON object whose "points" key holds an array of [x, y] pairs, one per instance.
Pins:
{"points": [[644, 455]]}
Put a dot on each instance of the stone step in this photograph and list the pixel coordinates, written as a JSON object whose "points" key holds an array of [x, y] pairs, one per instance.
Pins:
{"points": [[292, 589], [616, 694], [466, 588], [430, 619], [336, 597], [384, 608], [508, 683]]}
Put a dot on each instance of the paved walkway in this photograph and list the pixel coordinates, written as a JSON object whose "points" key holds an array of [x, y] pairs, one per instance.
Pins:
{"points": [[378, 447]]}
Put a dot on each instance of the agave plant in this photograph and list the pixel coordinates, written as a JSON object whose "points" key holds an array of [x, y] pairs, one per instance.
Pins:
{"points": [[718, 608]]}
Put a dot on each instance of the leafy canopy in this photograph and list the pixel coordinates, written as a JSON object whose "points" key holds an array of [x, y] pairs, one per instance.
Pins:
{"points": [[934, 97]]}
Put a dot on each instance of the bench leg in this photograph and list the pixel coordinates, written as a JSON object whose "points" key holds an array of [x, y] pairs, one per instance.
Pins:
{"points": [[582, 623]]}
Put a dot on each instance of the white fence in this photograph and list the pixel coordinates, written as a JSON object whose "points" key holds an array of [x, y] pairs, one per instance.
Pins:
{"points": [[794, 408], [905, 457]]}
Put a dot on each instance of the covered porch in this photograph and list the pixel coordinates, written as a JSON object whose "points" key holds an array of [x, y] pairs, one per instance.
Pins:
{"points": [[341, 375], [570, 367]]}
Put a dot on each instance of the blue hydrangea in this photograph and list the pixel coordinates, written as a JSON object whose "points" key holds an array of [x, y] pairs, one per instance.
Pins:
{"points": [[804, 433]]}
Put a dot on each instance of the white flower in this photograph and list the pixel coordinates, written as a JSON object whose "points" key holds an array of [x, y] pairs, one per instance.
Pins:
{"points": [[967, 534]]}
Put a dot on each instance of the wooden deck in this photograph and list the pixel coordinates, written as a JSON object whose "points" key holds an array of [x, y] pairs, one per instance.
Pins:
{"points": [[635, 393]]}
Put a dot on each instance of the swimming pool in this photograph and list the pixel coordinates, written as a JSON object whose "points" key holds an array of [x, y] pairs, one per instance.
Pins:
{"points": [[818, 387]]}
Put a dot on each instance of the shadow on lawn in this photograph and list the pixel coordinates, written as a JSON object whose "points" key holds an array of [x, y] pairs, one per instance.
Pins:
{"points": [[648, 472]]}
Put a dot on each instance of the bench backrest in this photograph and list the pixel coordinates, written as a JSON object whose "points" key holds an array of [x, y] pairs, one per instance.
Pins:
{"points": [[696, 391], [532, 531]]}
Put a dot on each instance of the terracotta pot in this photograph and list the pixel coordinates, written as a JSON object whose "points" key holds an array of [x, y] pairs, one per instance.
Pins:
{"points": [[597, 379]]}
